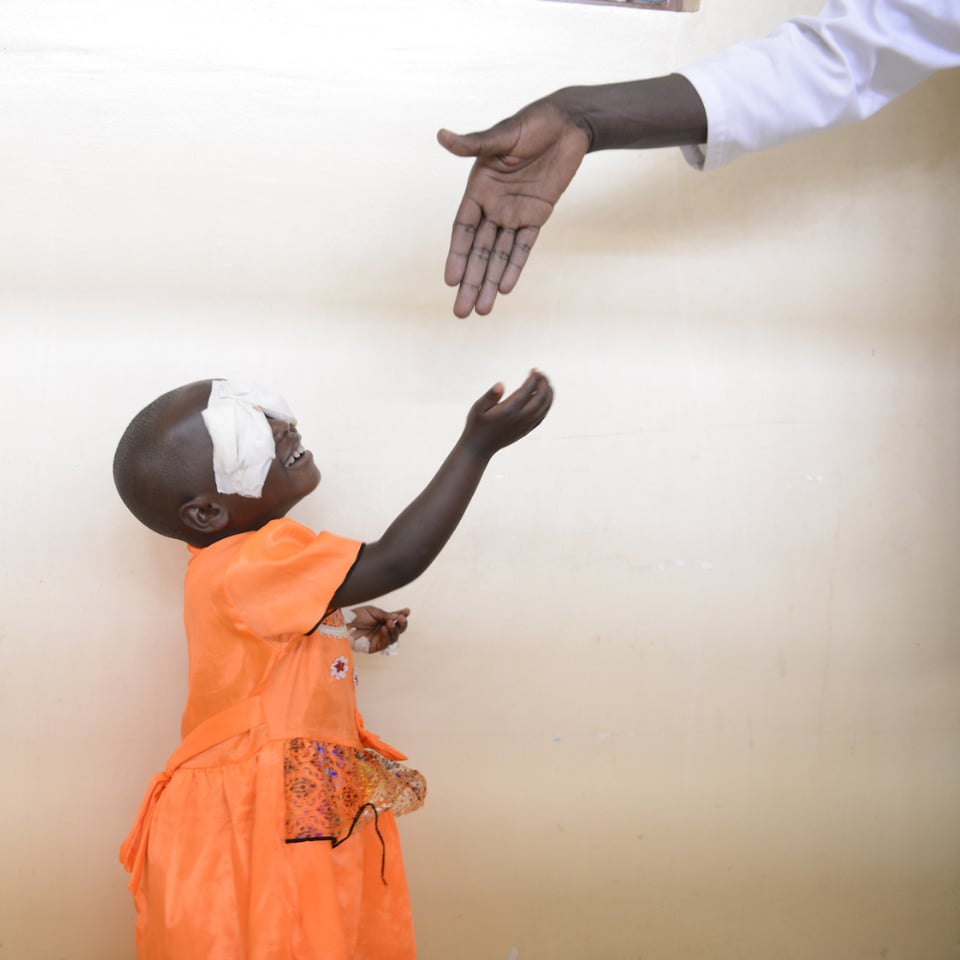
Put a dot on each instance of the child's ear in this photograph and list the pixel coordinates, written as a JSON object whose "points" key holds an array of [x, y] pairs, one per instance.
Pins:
{"points": [[204, 515]]}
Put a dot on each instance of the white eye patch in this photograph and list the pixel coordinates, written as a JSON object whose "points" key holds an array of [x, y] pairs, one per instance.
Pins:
{"points": [[243, 444]]}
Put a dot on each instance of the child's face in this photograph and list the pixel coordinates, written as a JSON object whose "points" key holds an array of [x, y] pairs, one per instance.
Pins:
{"points": [[167, 463], [292, 476]]}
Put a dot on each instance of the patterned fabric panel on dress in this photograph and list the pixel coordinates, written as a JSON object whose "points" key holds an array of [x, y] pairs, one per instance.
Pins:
{"points": [[332, 788]]}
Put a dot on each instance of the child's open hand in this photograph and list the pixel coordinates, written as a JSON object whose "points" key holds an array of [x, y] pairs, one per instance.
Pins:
{"points": [[373, 629], [410, 544], [494, 423]]}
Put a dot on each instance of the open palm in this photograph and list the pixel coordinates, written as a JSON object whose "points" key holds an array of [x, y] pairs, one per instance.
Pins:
{"points": [[522, 166]]}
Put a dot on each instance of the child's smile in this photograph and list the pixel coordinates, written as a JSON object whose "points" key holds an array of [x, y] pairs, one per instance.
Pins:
{"points": [[291, 453], [296, 455]]}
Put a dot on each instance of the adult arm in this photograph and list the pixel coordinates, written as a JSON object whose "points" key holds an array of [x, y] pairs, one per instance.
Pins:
{"points": [[524, 163], [819, 73], [811, 74], [413, 540]]}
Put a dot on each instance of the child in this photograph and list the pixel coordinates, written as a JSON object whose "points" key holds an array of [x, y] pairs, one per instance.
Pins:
{"points": [[270, 834]]}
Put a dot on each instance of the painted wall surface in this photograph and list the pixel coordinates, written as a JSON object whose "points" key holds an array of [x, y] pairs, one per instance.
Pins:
{"points": [[686, 682]]}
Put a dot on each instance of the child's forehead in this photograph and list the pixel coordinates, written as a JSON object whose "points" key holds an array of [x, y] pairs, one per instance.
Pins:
{"points": [[192, 402], [251, 396]]}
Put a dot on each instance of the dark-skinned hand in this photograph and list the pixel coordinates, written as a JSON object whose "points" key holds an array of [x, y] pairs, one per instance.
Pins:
{"points": [[494, 423], [379, 627], [522, 166]]}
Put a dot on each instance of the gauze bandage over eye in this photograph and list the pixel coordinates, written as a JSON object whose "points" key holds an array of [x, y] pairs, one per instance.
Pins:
{"points": [[243, 444]]}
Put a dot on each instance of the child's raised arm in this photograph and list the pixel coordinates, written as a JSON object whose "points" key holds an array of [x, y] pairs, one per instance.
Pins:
{"points": [[413, 540]]}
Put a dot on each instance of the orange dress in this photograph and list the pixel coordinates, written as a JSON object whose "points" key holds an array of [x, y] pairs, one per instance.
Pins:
{"points": [[270, 834]]}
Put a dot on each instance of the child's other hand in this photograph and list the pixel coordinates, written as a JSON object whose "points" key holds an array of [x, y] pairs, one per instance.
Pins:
{"points": [[373, 629], [493, 423]]}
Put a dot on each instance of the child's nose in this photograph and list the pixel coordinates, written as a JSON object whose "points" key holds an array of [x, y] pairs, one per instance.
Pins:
{"points": [[279, 427]]}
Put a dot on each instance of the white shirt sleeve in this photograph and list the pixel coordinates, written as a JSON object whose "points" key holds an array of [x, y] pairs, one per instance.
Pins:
{"points": [[818, 73]]}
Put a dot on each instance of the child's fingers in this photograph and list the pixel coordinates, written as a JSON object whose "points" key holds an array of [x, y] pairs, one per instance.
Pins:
{"points": [[490, 399], [539, 406], [535, 400], [535, 414], [392, 627], [384, 636], [539, 389], [529, 388]]}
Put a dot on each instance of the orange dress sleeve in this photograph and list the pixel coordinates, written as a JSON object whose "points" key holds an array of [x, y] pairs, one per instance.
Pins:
{"points": [[283, 579]]}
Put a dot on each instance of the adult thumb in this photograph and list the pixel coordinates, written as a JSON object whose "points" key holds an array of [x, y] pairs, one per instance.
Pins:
{"points": [[490, 141], [460, 145]]}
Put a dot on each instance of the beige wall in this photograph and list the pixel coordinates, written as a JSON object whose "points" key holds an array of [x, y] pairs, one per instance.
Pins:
{"points": [[686, 682]]}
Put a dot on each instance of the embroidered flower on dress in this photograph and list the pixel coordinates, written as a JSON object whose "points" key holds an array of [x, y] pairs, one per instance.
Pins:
{"points": [[339, 668]]}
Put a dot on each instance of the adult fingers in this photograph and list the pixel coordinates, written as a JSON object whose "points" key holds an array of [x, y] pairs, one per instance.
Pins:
{"points": [[522, 245], [475, 271], [462, 236], [510, 253], [499, 259], [466, 300], [506, 262]]}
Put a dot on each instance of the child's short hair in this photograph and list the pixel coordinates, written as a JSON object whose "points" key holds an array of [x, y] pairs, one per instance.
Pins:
{"points": [[151, 470]]}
